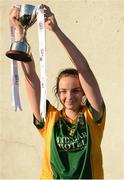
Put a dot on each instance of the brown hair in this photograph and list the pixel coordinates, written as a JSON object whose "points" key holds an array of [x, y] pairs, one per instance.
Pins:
{"points": [[65, 73]]}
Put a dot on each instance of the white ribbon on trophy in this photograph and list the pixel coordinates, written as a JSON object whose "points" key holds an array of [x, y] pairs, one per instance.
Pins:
{"points": [[41, 32], [15, 98]]}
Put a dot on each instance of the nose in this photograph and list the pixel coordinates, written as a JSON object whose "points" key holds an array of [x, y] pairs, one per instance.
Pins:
{"points": [[69, 95]]}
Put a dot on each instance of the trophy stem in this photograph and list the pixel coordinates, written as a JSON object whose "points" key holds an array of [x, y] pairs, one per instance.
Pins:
{"points": [[24, 34]]}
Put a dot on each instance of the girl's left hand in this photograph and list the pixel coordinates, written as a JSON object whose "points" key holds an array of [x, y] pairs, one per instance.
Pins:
{"points": [[50, 21]]}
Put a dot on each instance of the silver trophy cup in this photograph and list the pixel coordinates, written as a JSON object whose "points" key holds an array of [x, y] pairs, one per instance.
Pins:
{"points": [[20, 50]]}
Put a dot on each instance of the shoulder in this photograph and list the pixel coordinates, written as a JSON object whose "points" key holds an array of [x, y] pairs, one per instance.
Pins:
{"points": [[51, 114], [46, 125], [90, 111]]}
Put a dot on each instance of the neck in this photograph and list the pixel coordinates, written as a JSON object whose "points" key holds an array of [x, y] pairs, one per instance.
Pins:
{"points": [[71, 113]]}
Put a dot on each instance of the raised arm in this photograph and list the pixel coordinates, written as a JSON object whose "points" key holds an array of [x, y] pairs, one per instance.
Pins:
{"points": [[87, 78]]}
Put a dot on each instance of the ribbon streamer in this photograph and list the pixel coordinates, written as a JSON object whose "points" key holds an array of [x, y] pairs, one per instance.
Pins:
{"points": [[15, 98], [41, 33]]}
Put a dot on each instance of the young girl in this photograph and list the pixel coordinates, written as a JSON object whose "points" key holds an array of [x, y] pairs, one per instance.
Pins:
{"points": [[72, 135]]}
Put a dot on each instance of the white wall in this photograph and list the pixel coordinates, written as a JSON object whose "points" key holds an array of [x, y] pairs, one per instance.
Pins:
{"points": [[96, 28]]}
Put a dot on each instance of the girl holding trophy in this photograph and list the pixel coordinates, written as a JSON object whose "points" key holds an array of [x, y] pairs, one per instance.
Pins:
{"points": [[73, 134]]}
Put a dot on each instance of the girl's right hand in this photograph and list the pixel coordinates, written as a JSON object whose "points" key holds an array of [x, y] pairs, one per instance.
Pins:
{"points": [[14, 18], [14, 22]]}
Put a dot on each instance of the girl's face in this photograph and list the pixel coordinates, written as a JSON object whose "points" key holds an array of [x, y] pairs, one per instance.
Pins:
{"points": [[70, 93]]}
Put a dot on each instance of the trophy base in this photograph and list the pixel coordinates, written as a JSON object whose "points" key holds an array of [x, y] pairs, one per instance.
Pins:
{"points": [[18, 56]]}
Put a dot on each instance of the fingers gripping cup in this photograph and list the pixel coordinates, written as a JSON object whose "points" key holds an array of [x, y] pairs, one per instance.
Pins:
{"points": [[20, 50]]}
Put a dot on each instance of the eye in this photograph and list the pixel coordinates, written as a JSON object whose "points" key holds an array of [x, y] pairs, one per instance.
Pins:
{"points": [[62, 91], [76, 91]]}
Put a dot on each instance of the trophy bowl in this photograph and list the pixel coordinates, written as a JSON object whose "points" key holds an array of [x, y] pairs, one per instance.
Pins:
{"points": [[20, 50]]}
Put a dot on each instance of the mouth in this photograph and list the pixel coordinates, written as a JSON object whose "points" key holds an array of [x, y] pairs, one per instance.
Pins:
{"points": [[69, 102]]}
